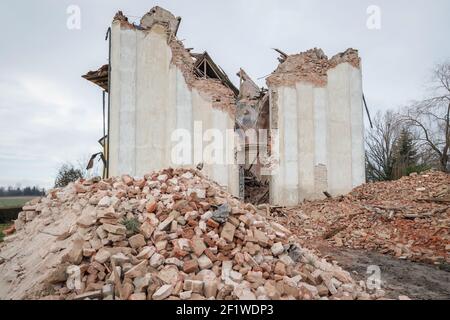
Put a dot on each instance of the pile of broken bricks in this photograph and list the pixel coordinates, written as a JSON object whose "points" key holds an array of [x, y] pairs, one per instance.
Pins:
{"points": [[408, 218], [171, 235]]}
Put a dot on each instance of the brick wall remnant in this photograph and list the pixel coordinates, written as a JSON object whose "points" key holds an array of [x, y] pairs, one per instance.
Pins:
{"points": [[223, 97], [310, 66], [124, 23]]}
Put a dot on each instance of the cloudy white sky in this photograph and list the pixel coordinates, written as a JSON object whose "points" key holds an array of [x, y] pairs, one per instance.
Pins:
{"points": [[50, 115]]}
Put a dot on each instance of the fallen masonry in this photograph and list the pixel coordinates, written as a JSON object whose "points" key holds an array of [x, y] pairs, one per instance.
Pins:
{"points": [[248, 256], [408, 218]]}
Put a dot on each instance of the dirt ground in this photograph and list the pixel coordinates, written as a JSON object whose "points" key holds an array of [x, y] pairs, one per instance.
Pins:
{"points": [[418, 281]]}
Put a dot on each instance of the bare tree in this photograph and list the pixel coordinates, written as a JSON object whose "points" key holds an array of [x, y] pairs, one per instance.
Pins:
{"points": [[380, 146], [430, 118]]}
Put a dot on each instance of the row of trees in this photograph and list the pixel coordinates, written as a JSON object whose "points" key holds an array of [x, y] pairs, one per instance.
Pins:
{"points": [[20, 192], [414, 139]]}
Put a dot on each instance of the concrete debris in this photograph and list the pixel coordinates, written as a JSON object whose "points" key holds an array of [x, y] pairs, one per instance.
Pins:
{"points": [[247, 257], [408, 218], [163, 292], [277, 249], [221, 214], [158, 15]]}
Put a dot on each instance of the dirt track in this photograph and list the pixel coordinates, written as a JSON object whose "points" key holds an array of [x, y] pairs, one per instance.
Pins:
{"points": [[399, 277]]}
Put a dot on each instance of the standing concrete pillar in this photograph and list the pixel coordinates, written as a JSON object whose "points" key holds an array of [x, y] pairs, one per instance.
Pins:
{"points": [[319, 116]]}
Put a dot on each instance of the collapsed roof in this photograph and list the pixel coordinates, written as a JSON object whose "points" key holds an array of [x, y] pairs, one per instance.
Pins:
{"points": [[205, 67]]}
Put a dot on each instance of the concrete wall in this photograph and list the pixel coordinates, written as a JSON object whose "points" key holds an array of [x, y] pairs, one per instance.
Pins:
{"points": [[149, 100], [321, 137]]}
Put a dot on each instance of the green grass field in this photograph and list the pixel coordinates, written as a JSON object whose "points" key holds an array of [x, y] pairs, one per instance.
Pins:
{"points": [[2, 227], [13, 202]]}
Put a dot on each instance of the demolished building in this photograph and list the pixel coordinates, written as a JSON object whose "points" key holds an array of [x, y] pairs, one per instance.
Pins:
{"points": [[312, 109]]}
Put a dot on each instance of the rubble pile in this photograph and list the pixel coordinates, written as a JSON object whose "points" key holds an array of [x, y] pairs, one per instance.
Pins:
{"points": [[408, 218], [170, 235]]}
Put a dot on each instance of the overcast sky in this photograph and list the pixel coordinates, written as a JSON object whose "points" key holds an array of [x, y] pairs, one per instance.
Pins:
{"points": [[50, 115]]}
